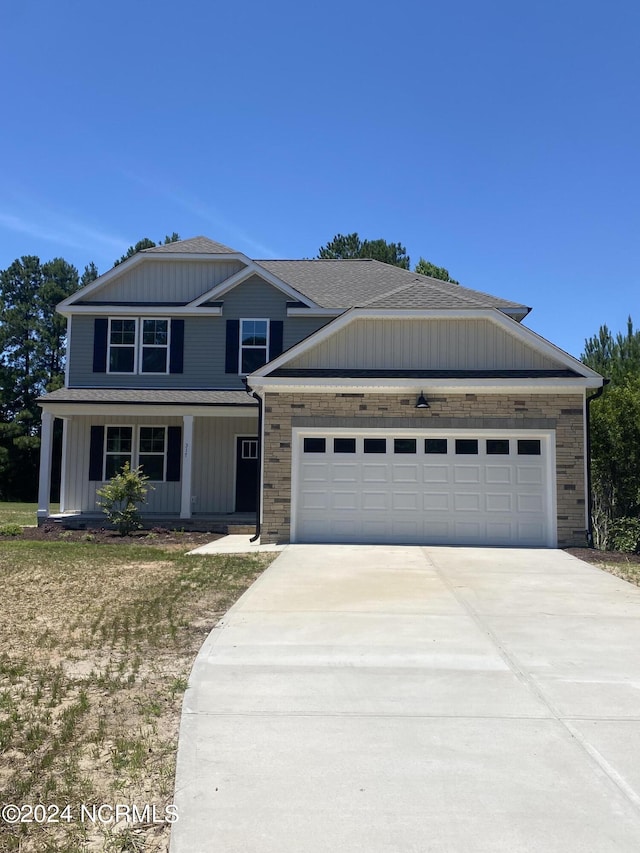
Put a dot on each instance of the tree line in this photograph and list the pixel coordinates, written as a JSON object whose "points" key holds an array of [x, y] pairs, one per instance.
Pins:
{"points": [[32, 357]]}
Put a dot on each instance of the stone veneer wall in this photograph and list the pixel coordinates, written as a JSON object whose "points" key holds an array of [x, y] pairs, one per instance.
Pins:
{"points": [[562, 412]]}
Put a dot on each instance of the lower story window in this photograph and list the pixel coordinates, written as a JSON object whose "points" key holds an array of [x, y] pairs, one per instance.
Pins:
{"points": [[118, 450], [153, 452], [145, 446]]}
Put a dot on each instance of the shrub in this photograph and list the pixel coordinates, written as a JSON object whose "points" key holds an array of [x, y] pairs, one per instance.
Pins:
{"points": [[625, 535], [10, 530], [121, 496]]}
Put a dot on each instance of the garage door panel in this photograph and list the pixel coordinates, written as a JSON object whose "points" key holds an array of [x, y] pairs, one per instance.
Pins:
{"points": [[499, 475], [315, 500], [467, 501], [404, 473], [407, 501], [375, 501], [345, 500], [526, 475], [473, 494], [436, 473], [312, 473], [375, 473], [496, 502], [436, 501], [345, 473], [501, 533], [466, 473], [530, 503]]}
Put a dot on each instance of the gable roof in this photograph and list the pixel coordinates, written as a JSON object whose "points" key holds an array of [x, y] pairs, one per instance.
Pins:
{"points": [[340, 284], [194, 245], [329, 286]]}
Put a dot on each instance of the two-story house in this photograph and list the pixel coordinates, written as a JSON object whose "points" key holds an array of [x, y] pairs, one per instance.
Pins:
{"points": [[341, 401]]}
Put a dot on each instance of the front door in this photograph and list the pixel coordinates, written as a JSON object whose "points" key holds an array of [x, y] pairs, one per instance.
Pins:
{"points": [[246, 473]]}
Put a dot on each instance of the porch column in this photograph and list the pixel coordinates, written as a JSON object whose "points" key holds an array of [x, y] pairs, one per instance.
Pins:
{"points": [[187, 466], [63, 466], [46, 446]]}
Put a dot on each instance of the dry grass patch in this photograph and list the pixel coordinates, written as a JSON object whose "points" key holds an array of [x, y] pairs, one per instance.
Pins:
{"points": [[625, 566], [96, 645]]}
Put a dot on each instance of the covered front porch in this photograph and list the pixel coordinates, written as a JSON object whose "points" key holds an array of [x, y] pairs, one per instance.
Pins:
{"points": [[200, 453]]}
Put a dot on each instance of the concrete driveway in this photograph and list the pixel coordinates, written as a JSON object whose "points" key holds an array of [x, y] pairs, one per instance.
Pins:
{"points": [[380, 699]]}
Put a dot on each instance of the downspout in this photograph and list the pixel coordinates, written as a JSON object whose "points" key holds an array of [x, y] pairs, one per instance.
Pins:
{"points": [[590, 399], [259, 478]]}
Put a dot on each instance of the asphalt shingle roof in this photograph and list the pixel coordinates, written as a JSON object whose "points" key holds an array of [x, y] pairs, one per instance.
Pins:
{"points": [[194, 245], [166, 396], [365, 283]]}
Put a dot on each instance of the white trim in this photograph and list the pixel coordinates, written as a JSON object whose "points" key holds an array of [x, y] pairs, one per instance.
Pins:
{"points": [[318, 385], [315, 312], [585, 428], [546, 435], [241, 276], [63, 464], [67, 353], [138, 346], [46, 449], [59, 410], [122, 346], [495, 315], [186, 474], [149, 311], [266, 347], [135, 448], [167, 346]]}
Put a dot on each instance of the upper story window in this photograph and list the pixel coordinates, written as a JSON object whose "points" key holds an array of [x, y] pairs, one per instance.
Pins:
{"points": [[138, 345], [254, 345], [122, 346], [155, 346]]}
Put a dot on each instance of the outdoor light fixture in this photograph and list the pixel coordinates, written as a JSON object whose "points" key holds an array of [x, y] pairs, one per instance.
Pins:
{"points": [[421, 402]]}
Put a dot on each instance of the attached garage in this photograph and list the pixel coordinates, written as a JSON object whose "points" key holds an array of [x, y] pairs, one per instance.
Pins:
{"points": [[464, 487]]}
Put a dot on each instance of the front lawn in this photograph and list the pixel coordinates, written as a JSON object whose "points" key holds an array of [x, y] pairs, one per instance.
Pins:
{"points": [[96, 645]]}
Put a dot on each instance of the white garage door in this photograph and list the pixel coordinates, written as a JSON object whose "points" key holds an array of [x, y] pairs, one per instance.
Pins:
{"points": [[462, 488]]}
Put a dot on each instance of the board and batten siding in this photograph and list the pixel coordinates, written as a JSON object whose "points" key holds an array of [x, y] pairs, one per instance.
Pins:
{"points": [[166, 281], [214, 467], [455, 344], [81, 492], [204, 342], [213, 483]]}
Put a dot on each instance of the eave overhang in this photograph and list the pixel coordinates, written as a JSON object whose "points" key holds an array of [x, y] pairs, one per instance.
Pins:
{"points": [[280, 385]]}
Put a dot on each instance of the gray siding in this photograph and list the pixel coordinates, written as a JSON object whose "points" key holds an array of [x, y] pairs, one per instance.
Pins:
{"points": [[454, 344], [214, 442], [81, 492], [166, 281], [213, 483], [204, 343]]}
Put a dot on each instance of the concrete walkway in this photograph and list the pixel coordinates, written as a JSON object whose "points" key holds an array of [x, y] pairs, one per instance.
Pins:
{"points": [[407, 700]]}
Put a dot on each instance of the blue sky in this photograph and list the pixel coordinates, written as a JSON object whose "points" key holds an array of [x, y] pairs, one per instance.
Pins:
{"points": [[498, 139]]}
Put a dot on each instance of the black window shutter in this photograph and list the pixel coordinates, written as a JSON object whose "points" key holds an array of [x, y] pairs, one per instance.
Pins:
{"points": [[275, 339], [233, 343], [96, 450], [100, 326], [174, 453], [176, 356]]}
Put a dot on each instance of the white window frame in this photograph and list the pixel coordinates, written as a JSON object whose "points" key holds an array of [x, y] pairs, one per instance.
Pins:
{"points": [[135, 447], [241, 347], [166, 347], [123, 346], [105, 452], [154, 453], [138, 346]]}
